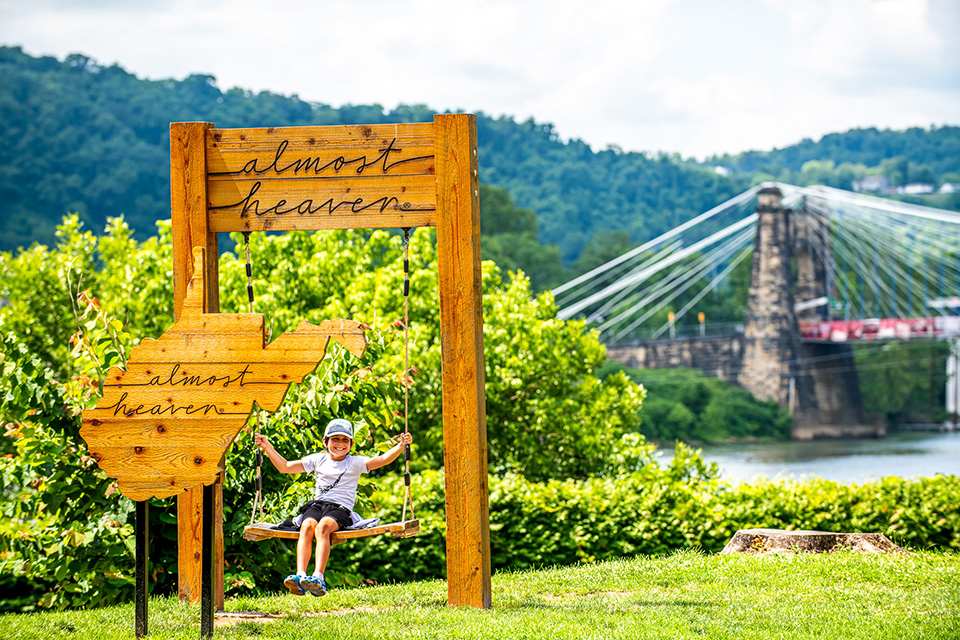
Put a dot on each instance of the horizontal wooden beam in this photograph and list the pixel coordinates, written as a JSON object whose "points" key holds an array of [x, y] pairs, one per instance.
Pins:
{"points": [[287, 178]]}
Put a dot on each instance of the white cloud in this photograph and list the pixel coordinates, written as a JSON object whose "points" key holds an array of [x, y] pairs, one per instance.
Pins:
{"points": [[869, 39], [696, 76]]}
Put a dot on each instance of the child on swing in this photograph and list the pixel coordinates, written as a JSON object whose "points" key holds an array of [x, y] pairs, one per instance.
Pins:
{"points": [[337, 476]]}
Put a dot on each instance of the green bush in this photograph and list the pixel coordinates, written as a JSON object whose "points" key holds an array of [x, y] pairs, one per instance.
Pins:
{"points": [[650, 511], [60, 527], [67, 534], [539, 370], [78, 550], [919, 513]]}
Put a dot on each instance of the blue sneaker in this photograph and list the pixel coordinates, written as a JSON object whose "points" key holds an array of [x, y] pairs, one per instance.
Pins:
{"points": [[314, 586], [292, 583]]}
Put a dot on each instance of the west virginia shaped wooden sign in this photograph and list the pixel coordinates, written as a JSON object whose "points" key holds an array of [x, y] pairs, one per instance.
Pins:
{"points": [[163, 425]]}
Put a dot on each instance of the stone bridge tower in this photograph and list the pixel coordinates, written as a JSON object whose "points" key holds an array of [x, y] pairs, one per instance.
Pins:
{"points": [[771, 343], [811, 248], [830, 373], [817, 381]]}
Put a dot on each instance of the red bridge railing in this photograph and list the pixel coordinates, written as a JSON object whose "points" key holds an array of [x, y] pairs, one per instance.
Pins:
{"points": [[879, 329]]}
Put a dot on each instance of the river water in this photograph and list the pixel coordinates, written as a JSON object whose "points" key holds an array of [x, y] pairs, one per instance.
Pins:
{"points": [[902, 453]]}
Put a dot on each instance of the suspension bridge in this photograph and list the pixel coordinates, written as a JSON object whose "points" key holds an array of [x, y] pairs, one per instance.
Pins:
{"points": [[821, 269]]}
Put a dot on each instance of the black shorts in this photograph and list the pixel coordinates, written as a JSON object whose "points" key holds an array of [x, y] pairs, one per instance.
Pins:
{"points": [[318, 510]]}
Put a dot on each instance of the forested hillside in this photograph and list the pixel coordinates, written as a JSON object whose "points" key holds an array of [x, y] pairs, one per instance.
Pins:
{"points": [[578, 193], [930, 157], [77, 136], [80, 137], [936, 149]]}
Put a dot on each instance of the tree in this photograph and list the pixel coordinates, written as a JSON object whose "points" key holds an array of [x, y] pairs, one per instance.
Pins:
{"points": [[539, 370], [817, 172], [41, 286], [510, 237], [897, 170], [602, 248], [922, 173], [93, 139], [548, 415]]}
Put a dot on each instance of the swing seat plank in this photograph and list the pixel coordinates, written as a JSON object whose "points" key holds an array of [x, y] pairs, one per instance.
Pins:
{"points": [[264, 530]]}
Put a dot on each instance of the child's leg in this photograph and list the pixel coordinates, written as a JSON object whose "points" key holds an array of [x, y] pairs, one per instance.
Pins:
{"points": [[326, 527], [304, 544], [292, 582]]}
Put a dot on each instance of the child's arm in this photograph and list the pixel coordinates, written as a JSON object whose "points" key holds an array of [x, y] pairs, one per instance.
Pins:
{"points": [[386, 458], [282, 464]]}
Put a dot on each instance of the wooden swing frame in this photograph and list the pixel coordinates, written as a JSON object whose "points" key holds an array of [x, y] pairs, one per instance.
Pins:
{"points": [[443, 193]]}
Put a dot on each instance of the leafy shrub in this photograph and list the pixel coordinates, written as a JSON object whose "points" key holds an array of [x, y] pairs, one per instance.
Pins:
{"points": [[65, 531], [60, 528], [912, 512], [736, 414], [539, 370], [67, 534], [685, 405], [134, 281], [652, 510]]}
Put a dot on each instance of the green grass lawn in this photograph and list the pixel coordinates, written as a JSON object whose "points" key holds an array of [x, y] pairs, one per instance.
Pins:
{"points": [[686, 595]]}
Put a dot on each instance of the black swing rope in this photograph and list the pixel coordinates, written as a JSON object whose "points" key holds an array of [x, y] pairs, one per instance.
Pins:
{"points": [[258, 477], [408, 494]]}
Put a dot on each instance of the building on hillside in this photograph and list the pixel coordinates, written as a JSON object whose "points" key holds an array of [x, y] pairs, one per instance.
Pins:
{"points": [[873, 184], [917, 189]]}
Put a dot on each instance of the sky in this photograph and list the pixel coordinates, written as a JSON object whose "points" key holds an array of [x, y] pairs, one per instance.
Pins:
{"points": [[694, 77]]}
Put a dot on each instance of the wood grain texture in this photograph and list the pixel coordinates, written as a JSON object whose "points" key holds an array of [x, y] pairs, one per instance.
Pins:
{"points": [[167, 428], [198, 374], [189, 542], [312, 152], [285, 178], [264, 531], [188, 210], [322, 203], [218, 564], [464, 399], [781, 541], [379, 149]]}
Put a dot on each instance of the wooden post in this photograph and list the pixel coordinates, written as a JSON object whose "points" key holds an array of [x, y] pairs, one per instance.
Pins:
{"points": [[206, 570], [142, 589], [461, 333], [217, 533], [188, 210]]}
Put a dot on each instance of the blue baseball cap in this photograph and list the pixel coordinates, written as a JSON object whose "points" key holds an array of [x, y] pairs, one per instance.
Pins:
{"points": [[338, 427]]}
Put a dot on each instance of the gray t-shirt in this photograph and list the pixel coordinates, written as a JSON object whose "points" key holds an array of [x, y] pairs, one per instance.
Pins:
{"points": [[336, 481]]}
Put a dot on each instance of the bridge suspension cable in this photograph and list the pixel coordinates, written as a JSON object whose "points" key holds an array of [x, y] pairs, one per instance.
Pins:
{"points": [[691, 275], [897, 244], [741, 201], [707, 289], [878, 257]]}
